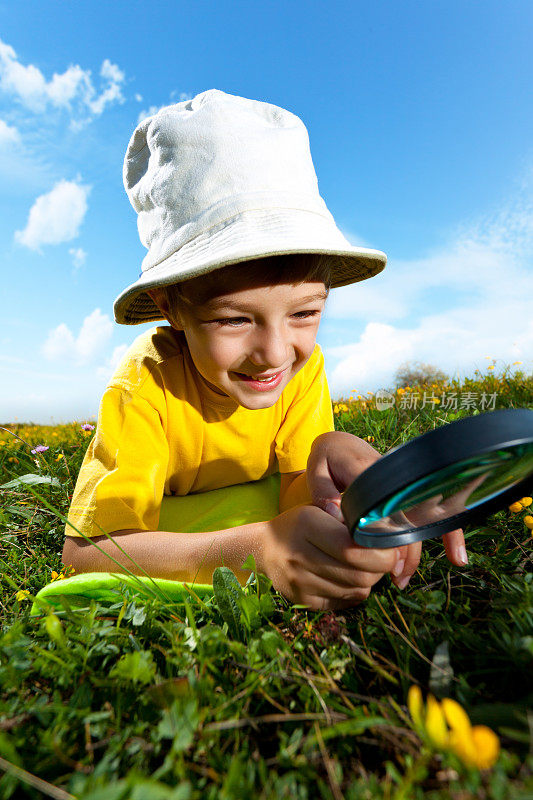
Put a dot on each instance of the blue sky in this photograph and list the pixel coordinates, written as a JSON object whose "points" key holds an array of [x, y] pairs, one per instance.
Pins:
{"points": [[419, 118]]}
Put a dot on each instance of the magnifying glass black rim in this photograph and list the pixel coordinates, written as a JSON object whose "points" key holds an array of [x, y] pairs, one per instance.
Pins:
{"points": [[435, 450]]}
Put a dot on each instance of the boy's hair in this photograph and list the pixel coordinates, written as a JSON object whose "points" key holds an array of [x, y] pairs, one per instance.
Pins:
{"points": [[268, 271]]}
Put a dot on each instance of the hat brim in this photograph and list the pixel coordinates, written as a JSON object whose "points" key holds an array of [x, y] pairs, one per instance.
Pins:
{"points": [[253, 234]]}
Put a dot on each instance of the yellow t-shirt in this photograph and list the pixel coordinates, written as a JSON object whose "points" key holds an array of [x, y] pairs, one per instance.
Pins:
{"points": [[162, 430]]}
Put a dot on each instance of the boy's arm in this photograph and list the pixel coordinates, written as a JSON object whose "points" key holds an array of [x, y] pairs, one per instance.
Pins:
{"points": [[165, 554], [293, 490]]}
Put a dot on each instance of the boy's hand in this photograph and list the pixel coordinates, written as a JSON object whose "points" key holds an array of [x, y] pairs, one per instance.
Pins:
{"points": [[335, 460], [311, 558]]}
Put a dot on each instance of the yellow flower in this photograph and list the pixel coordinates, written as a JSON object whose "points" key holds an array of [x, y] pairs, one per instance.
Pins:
{"points": [[446, 726], [435, 723], [336, 409], [55, 576], [516, 362], [415, 704], [526, 501], [515, 507], [22, 595], [490, 367], [59, 457], [476, 746], [528, 522]]}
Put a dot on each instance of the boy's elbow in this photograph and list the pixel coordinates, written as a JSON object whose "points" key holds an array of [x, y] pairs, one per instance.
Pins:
{"points": [[79, 553]]}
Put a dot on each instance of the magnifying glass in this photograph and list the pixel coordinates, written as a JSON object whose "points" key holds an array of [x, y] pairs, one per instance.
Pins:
{"points": [[452, 476]]}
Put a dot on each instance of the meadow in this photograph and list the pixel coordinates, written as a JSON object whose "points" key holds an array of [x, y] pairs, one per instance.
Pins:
{"points": [[424, 692]]}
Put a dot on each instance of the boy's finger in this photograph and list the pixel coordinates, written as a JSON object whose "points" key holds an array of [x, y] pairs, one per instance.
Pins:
{"points": [[334, 463], [410, 554], [454, 544], [334, 540]]}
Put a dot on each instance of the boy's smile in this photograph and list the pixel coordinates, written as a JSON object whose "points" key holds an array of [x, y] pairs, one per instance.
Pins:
{"points": [[237, 337]]}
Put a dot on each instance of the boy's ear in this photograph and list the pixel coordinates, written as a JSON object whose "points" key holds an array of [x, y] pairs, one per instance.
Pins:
{"points": [[160, 299]]}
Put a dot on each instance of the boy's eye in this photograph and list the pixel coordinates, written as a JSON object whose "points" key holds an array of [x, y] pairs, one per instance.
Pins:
{"points": [[231, 321]]}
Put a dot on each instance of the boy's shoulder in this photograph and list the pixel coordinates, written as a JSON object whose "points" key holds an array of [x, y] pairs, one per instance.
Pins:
{"points": [[145, 356]]}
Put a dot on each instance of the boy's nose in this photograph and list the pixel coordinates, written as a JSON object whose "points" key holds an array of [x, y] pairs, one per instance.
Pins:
{"points": [[270, 349]]}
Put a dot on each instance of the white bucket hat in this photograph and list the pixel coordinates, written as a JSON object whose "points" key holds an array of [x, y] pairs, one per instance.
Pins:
{"points": [[221, 179]]}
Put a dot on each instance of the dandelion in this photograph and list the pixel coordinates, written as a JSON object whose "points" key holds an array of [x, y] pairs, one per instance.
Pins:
{"points": [[22, 595], [528, 522], [446, 726], [41, 448]]}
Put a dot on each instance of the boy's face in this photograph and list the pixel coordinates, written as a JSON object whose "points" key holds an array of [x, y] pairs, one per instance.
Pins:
{"points": [[250, 331]]}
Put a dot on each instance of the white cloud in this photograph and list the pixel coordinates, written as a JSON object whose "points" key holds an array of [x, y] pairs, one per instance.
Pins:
{"points": [[72, 90], [106, 371], [96, 330], [55, 217], [178, 97], [149, 112], [154, 109], [486, 271], [8, 134], [78, 256], [139, 97], [354, 238]]}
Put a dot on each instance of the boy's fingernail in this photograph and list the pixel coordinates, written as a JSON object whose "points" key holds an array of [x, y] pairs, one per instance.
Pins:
{"points": [[398, 568], [461, 553], [334, 510], [403, 582]]}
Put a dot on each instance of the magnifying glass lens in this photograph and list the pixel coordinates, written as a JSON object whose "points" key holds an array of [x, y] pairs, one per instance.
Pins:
{"points": [[449, 491]]}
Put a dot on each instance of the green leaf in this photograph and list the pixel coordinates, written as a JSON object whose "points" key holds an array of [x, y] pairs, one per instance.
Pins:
{"points": [[250, 611], [27, 513], [30, 480], [270, 643], [135, 667], [249, 563], [228, 593], [112, 791], [179, 723]]}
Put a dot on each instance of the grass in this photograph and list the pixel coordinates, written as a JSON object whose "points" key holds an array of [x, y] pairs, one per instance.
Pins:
{"points": [[244, 695]]}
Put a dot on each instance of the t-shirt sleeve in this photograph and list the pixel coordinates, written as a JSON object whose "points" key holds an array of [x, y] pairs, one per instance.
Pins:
{"points": [[309, 414], [122, 478]]}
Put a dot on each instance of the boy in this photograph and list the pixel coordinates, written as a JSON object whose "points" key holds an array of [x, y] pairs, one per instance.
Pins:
{"points": [[231, 401]]}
